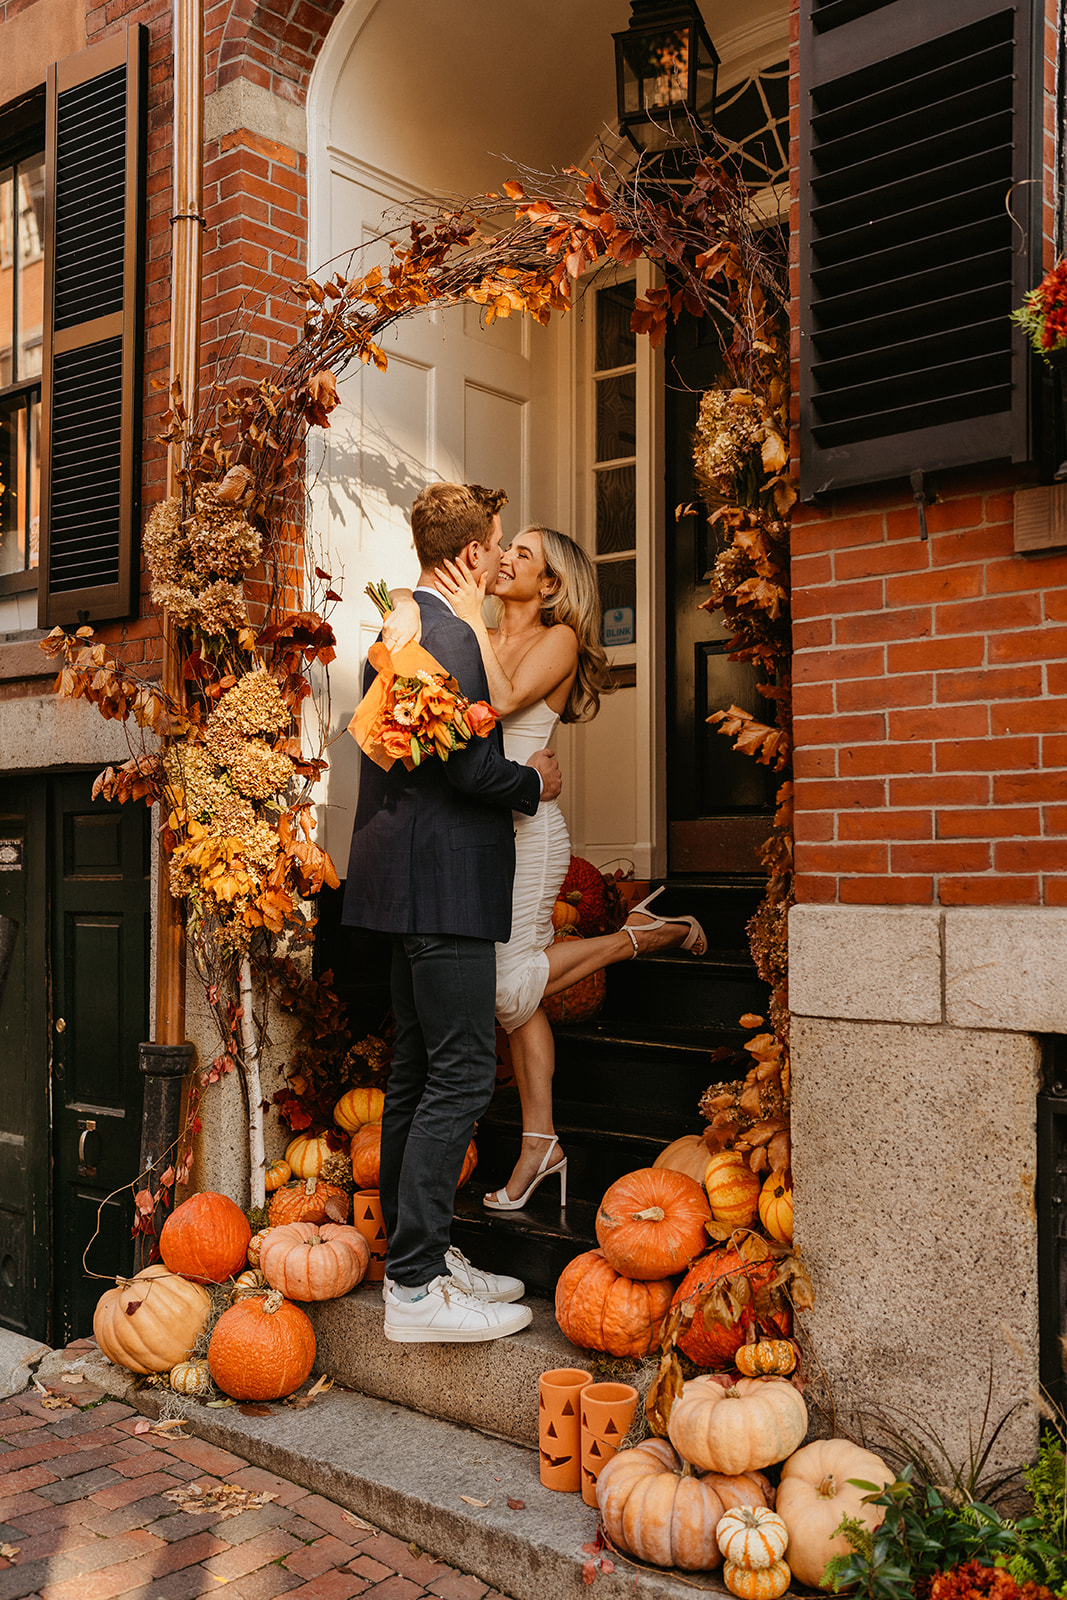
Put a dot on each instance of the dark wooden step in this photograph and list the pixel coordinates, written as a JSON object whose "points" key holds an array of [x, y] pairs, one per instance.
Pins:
{"points": [[680, 990], [534, 1244]]}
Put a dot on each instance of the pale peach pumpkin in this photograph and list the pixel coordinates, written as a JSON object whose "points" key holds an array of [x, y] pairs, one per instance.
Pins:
{"points": [[307, 1262], [151, 1322], [737, 1427], [815, 1493]]}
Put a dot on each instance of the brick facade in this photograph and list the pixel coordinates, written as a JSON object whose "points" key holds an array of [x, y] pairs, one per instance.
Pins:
{"points": [[930, 683], [255, 239]]}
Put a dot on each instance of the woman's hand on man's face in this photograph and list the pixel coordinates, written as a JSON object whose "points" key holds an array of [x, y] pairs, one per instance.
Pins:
{"points": [[402, 625], [463, 591]]}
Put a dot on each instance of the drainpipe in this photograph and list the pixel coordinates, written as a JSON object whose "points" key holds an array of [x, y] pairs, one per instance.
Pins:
{"points": [[166, 1060]]}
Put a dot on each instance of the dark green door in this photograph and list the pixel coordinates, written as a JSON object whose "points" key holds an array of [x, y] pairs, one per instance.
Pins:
{"points": [[25, 1238], [71, 1020], [100, 964]]}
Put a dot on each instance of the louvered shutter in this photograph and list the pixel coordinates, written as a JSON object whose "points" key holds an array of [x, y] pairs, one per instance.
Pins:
{"points": [[90, 422], [918, 121]]}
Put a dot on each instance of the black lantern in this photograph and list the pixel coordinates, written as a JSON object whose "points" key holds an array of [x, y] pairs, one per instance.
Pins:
{"points": [[666, 69]]}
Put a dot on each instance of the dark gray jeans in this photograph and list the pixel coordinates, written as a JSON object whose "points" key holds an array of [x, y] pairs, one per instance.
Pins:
{"points": [[440, 1082]]}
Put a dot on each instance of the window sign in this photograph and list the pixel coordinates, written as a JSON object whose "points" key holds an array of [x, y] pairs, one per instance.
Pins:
{"points": [[618, 627]]}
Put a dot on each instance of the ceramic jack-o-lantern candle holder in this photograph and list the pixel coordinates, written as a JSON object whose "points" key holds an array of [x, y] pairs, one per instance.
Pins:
{"points": [[607, 1410], [367, 1218], [559, 1427]]}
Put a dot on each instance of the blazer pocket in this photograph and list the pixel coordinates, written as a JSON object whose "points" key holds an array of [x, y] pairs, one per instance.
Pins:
{"points": [[474, 835]]}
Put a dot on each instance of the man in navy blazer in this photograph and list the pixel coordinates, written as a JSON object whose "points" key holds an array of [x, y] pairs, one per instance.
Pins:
{"points": [[432, 863]]}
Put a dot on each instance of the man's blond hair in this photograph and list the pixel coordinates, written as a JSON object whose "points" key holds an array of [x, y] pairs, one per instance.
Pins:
{"points": [[444, 519]]}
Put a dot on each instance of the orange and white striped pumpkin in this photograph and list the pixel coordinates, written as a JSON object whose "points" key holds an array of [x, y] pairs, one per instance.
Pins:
{"points": [[733, 1189], [357, 1107], [761, 1583], [752, 1537], [306, 1154]]}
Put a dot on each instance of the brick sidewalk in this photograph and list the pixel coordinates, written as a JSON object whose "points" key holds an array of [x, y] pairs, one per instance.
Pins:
{"points": [[82, 1498]]}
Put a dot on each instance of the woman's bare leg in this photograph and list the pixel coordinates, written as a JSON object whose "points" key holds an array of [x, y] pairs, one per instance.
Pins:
{"points": [[573, 959], [533, 1057]]}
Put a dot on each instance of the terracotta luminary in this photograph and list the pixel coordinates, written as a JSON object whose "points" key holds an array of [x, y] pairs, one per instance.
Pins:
{"points": [[607, 1410], [559, 1427], [367, 1218]]}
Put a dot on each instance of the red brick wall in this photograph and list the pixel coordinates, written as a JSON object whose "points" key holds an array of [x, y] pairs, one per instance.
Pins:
{"points": [[255, 240], [930, 690]]}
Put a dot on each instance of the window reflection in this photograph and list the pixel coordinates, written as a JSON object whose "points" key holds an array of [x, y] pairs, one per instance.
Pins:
{"points": [[21, 359]]}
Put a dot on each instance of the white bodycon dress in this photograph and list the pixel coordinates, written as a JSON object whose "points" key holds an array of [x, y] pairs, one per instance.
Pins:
{"points": [[542, 856]]}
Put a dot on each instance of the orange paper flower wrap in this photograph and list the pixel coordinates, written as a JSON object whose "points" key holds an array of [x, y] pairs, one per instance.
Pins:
{"points": [[414, 709]]}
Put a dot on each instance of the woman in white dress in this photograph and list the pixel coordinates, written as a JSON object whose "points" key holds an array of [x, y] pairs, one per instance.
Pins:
{"points": [[544, 662]]}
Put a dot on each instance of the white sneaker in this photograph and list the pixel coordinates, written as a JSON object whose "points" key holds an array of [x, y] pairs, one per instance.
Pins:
{"points": [[446, 1314], [492, 1286]]}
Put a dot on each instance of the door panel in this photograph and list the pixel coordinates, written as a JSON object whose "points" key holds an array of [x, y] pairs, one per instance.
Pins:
{"points": [[100, 952], [25, 1255]]}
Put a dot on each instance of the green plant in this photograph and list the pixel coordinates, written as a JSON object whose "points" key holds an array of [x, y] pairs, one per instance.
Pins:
{"points": [[1043, 1557], [926, 1531]]}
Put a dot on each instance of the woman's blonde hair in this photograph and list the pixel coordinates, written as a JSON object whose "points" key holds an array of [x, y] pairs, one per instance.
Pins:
{"points": [[576, 602]]}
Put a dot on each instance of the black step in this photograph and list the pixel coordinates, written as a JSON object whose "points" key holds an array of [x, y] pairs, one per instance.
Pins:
{"points": [[534, 1244], [683, 990]]}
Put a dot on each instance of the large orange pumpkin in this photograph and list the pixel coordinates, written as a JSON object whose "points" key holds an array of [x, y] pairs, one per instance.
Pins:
{"points": [[470, 1161], [151, 1322], [651, 1223], [297, 1202], [205, 1238], [714, 1344], [306, 1262], [598, 1309], [357, 1107], [583, 999], [262, 1348], [733, 1189], [657, 1509], [306, 1154], [689, 1154]]}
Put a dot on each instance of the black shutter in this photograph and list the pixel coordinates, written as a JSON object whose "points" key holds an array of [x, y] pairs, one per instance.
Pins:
{"points": [[917, 119], [90, 425]]}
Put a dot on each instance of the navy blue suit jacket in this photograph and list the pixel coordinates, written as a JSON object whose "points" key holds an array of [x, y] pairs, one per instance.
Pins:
{"points": [[433, 850]]}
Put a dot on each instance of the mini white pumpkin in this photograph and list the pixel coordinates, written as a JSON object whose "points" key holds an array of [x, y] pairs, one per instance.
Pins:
{"points": [[752, 1537]]}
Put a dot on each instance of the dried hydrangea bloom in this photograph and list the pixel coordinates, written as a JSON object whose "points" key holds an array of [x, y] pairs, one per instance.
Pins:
{"points": [[165, 545], [208, 797], [221, 542], [261, 849], [727, 433], [254, 705], [213, 610], [252, 767]]}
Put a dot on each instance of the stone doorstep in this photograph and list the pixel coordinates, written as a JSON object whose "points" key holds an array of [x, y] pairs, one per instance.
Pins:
{"points": [[407, 1473], [492, 1387]]}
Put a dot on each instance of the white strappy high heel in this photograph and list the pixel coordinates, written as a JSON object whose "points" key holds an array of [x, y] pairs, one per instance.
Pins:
{"points": [[501, 1201], [695, 940]]}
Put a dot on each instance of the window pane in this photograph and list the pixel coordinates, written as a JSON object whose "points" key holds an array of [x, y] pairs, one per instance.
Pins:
{"points": [[30, 195], [12, 482], [616, 515], [617, 581], [616, 343], [616, 427], [7, 275]]}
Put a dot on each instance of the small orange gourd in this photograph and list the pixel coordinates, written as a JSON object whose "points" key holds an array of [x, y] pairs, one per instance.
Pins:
{"points": [[278, 1173], [776, 1207], [766, 1358], [763, 1583]]}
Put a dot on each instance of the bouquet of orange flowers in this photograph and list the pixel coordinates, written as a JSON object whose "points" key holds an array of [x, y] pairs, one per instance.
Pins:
{"points": [[414, 708]]}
